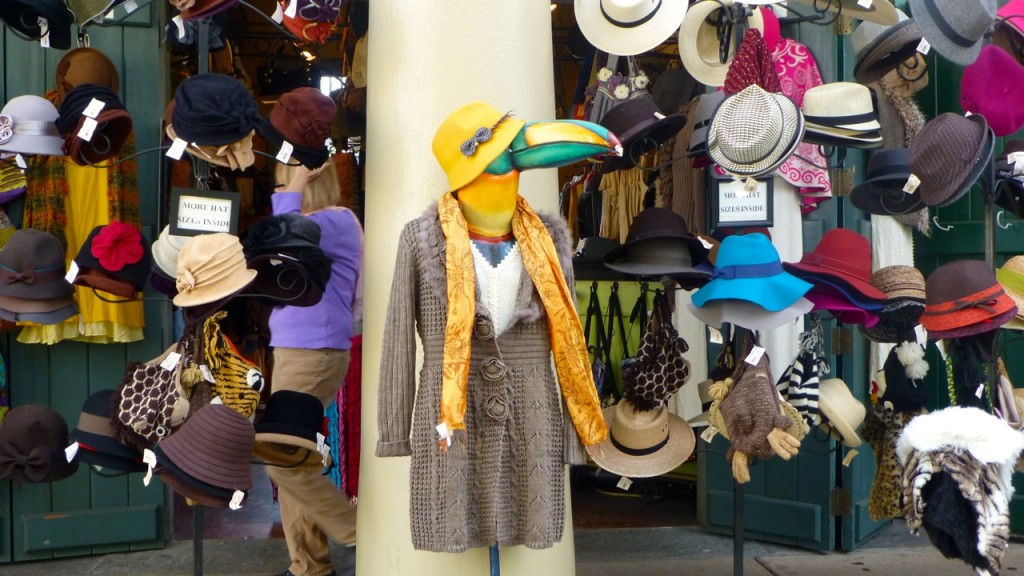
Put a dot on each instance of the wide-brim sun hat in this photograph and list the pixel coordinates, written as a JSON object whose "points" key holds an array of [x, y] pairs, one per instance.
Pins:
{"points": [[882, 190], [699, 42], [955, 28], [28, 126], [840, 411], [641, 444], [211, 267], [754, 132], [842, 254], [747, 314], [748, 268], [659, 243], [881, 49], [948, 156], [877, 11], [470, 138], [628, 27]]}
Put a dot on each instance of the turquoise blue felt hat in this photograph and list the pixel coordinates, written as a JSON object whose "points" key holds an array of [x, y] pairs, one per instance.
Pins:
{"points": [[748, 268]]}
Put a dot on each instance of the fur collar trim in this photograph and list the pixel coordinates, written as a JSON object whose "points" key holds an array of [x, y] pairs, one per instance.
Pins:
{"points": [[986, 437]]}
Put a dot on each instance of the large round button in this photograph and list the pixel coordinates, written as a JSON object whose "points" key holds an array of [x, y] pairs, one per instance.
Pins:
{"points": [[492, 369]]}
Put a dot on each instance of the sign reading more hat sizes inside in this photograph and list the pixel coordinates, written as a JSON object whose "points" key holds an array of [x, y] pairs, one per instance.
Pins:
{"points": [[740, 203], [195, 212]]}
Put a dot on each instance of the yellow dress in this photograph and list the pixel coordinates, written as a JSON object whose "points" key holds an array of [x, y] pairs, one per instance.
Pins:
{"points": [[98, 322]]}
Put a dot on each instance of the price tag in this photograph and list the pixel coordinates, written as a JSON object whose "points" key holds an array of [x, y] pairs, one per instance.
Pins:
{"points": [[278, 13], [444, 432], [981, 390], [322, 448], [865, 4], [912, 183], [849, 458], [716, 335], [171, 361], [20, 161], [94, 108], [236, 500], [216, 400], [707, 245], [659, 115], [285, 153], [44, 32], [292, 9], [149, 459], [177, 149], [922, 335], [87, 129], [924, 47], [941, 345], [110, 15], [624, 484], [1018, 162], [179, 22], [72, 273], [709, 434], [755, 356], [750, 185], [207, 374], [71, 451], [130, 6]]}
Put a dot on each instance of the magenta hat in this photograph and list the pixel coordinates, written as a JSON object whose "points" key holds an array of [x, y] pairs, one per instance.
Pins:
{"points": [[994, 87], [832, 300]]}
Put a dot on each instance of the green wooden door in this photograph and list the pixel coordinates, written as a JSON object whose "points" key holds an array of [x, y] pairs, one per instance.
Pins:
{"points": [[88, 513]]}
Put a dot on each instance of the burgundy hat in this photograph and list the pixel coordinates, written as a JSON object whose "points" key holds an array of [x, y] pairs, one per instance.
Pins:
{"points": [[994, 87], [963, 298], [842, 254], [948, 156], [32, 266], [833, 301], [213, 446], [32, 443], [303, 118]]}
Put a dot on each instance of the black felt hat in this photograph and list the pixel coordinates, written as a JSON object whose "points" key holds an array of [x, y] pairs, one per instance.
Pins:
{"points": [[905, 393], [659, 243], [287, 435], [97, 438], [640, 127], [24, 15], [291, 268], [114, 124], [114, 258], [882, 190], [213, 110]]}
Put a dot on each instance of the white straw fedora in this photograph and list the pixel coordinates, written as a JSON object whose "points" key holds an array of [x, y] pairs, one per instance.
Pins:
{"points": [[753, 132], [699, 43], [642, 444], [844, 105], [840, 411], [877, 11], [628, 27]]}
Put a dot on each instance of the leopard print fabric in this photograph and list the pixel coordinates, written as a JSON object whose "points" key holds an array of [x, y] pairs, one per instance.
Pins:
{"points": [[882, 428], [237, 382]]}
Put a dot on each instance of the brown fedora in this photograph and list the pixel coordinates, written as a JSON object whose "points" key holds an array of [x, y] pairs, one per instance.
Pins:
{"points": [[949, 155], [32, 443]]}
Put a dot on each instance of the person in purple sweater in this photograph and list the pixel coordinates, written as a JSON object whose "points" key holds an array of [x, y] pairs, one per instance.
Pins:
{"points": [[311, 355]]}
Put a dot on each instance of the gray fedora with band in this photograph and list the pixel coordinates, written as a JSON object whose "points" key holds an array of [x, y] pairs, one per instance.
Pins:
{"points": [[955, 28]]}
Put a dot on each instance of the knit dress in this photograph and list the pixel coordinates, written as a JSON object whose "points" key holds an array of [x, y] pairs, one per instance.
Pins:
{"points": [[502, 482]]}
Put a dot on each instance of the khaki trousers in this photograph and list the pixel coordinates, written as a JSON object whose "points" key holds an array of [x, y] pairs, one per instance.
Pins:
{"points": [[312, 507]]}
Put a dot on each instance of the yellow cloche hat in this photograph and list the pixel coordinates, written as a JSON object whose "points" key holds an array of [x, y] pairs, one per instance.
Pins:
{"points": [[470, 138]]}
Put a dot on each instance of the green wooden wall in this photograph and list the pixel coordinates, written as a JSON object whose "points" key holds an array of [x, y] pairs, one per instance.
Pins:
{"points": [[89, 513]]}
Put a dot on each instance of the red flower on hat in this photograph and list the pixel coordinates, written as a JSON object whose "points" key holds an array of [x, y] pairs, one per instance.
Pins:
{"points": [[117, 245]]}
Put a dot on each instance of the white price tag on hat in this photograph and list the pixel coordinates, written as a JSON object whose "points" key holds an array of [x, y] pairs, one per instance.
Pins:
{"points": [[130, 6], [171, 361], [703, 242], [624, 483], [149, 459], [924, 47], [941, 345], [292, 9], [278, 13], [912, 183], [94, 108], [71, 451], [716, 335], [865, 4], [922, 335], [179, 22], [1018, 162], [749, 186], [980, 390], [285, 153], [207, 374], [177, 149], [20, 161], [72, 273], [755, 356], [709, 434], [322, 448], [87, 129], [44, 32], [236, 500]]}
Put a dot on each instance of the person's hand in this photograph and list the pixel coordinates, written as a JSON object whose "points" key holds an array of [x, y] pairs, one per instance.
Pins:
{"points": [[302, 176]]}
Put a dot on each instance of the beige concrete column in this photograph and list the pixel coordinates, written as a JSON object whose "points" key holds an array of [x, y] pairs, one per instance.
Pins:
{"points": [[425, 59]]}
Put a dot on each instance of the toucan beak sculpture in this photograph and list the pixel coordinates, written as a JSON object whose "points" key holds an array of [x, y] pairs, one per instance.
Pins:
{"points": [[556, 143]]}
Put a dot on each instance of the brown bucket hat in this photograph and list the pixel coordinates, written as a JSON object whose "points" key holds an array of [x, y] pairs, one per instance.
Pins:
{"points": [[32, 266]]}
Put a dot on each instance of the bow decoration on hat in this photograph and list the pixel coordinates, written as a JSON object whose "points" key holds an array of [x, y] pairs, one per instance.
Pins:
{"points": [[10, 276], [988, 305], [6, 128], [185, 282], [468, 148], [33, 465], [321, 10]]}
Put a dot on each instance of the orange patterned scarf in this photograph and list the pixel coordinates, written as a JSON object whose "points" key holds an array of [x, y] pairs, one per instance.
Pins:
{"points": [[567, 343]]}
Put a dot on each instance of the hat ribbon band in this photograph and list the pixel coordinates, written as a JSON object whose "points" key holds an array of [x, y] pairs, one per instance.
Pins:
{"points": [[637, 451], [834, 121], [986, 299], [944, 26], [634, 23], [35, 464], [9, 276], [35, 128], [743, 271]]}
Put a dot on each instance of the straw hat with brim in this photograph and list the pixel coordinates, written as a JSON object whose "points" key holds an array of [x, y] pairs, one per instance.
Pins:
{"points": [[195, 490], [748, 268], [640, 127], [846, 105], [24, 15], [628, 27], [470, 138], [286, 435], [1011, 278], [213, 446], [948, 156], [85, 66], [715, 418], [210, 267], [877, 11], [955, 28], [753, 132], [706, 106], [32, 266], [659, 243], [899, 281], [964, 298], [840, 411], [91, 10], [881, 192], [842, 254], [97, 438], [166, 249], [641, 444], [881, 49], [987, 85], [28, 126], [699, 42], [747, 314]]}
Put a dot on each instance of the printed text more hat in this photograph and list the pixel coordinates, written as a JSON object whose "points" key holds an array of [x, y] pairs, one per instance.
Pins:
{"points": [[303, 118], [24, 15], [28, 126], [840, 411], [85, 66], [213, 109], [882, 48], [114, 258], [948, 156], [470, 138], [659, 243], [32, 443], [628, 27], [97, 438], [955, 28], [753, 132], [748, 268], [700, 44], [210, 267], [993, 86], [844, 255], [964, 298], [642, 444], [32, 266], [881, 192], [286, 435]]}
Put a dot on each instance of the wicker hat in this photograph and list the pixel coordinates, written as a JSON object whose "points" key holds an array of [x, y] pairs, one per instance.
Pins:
{"points": [[842, 110], [1011, 277], [210, 267], [85, 66], [32, 266], [290, 432], [628, 27], [881, 192], [904, 288], [28, 126], [877, 11], [700, 39], [881, 48], [32, 443], [994, 87], [24, 15], [843, 255], [470, 138], [753, 133], [949, 155], [97, 438], [964, 298], [840, 411], [955, 28], [641, 444]]}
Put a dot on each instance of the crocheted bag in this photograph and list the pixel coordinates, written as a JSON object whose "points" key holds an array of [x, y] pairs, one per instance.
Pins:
{"points": [[149, 403], [658, 369]]}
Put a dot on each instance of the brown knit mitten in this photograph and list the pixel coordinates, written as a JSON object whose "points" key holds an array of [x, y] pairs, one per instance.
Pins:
{"points": [[752, 410]]}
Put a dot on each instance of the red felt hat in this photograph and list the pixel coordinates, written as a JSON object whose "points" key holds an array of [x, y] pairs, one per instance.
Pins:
{"points": [[994, 87], [844, 255]]}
